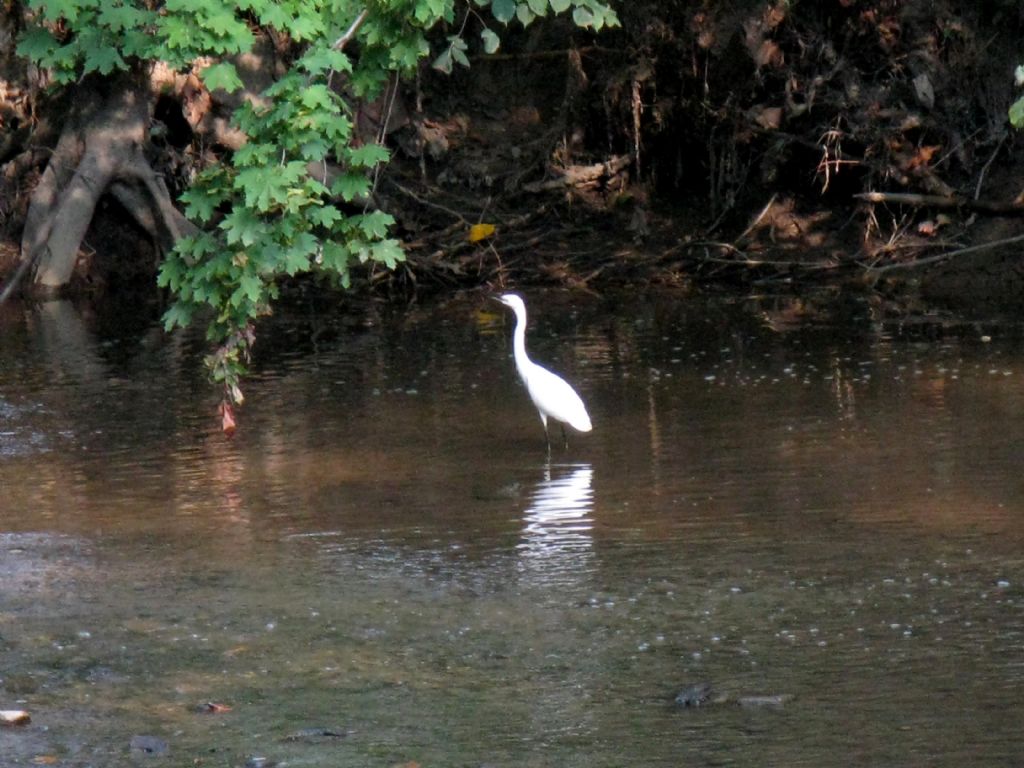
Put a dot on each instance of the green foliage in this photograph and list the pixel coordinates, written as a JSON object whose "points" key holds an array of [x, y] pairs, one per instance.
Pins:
{"points": [[271, 210], [1017, 108], [592, 14], [277, 218]]}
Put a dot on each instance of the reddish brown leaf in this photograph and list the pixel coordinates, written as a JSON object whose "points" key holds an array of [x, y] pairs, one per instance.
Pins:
{"points": [[922, 157], [227, 418], [212, 708]]}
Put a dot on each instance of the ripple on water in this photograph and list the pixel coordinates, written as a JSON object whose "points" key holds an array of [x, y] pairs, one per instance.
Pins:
{"points": [[19, 437]]}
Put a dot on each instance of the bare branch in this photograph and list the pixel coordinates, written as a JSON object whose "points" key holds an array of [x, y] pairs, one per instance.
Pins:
{"points": [[344, 40], [941, 201], [947, 255]]}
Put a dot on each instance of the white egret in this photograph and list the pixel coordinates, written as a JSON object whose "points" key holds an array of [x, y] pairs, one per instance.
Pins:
{"points": [[552, 395]]}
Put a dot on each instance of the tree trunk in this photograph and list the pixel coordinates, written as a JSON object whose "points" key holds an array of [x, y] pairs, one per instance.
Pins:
{"points": [[99, 151]]}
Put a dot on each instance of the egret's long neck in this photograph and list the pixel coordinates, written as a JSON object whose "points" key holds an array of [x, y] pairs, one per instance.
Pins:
{"points": [[519, 342]]}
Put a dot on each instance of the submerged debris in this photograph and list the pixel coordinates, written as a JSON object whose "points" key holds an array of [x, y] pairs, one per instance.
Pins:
{"points": [[211, 708], [774, 701], [149, 746], [694, 695], [14, 717], [316, 735], [699, 694]]}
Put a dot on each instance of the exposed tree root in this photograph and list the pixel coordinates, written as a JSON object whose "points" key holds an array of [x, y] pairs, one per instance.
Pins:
{"points": [[99, 151]]}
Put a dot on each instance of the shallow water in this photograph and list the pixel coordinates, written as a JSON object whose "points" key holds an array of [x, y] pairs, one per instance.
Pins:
{"points": [[830, 510]]}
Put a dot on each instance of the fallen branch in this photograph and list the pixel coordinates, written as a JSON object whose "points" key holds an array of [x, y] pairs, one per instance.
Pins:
{"points": [[757, 219], [14, 279], [578, 175], [985, 167], [560, 53], [941, 201], [947, 255], [462, 221]]}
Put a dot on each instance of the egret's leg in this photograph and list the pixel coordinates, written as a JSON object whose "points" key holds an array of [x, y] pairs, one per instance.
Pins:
{"points": [[565, 438], [547, 437]]}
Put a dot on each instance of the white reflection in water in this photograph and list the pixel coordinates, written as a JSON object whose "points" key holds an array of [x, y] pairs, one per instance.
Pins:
{"points": [[557, 543]]}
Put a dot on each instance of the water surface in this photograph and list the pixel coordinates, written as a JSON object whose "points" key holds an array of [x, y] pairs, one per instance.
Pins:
{"points": [[828, 509]]}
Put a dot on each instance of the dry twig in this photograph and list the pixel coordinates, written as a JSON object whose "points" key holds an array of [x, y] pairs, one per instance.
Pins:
{"points": [[944, 256], [942, 201]]}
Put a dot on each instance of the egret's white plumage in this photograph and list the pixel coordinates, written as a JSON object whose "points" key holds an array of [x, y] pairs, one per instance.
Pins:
{"points": [[551, 394]]}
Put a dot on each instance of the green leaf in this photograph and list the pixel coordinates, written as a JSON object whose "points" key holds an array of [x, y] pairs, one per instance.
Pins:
{"points": [[539, 7], [36, 44], [118, 18], [524, 14], [297, 258], [374, 225], [324, 216], [138, 43], [351, 186], [306, 27], [178, 37], [242, 226], [405, 55], [224, 24], [387, 252], [429, 12], [560, 6], [460, 55], [334, 257], [222, 75], [318, 60], [61, 9], [503, 10], [250, 288], [103, 59], [274, 15], [443, 63], [582, 17], [170, 273], [1017, 113], [178, 315], [315, 149], [267, 187], [491, 41], [254, 152], [201, 202], [368, 155], [317, 96]]}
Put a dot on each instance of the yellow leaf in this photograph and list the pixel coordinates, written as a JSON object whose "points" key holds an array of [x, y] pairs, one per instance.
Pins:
{"points": [[480, 232]]}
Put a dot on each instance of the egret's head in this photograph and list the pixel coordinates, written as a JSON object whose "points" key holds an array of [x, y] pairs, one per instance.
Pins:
{"points": [[513, 300]]}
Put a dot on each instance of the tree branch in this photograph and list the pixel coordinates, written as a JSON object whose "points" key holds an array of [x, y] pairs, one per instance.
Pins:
{"points": [[941, 201], [947, 255], [344, 40]]}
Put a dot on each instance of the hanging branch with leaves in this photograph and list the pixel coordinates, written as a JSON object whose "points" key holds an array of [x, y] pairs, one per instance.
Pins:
{"points": [[270, 210]]}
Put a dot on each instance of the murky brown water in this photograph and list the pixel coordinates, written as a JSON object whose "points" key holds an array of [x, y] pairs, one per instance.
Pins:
{"points": [[830, 511]]}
